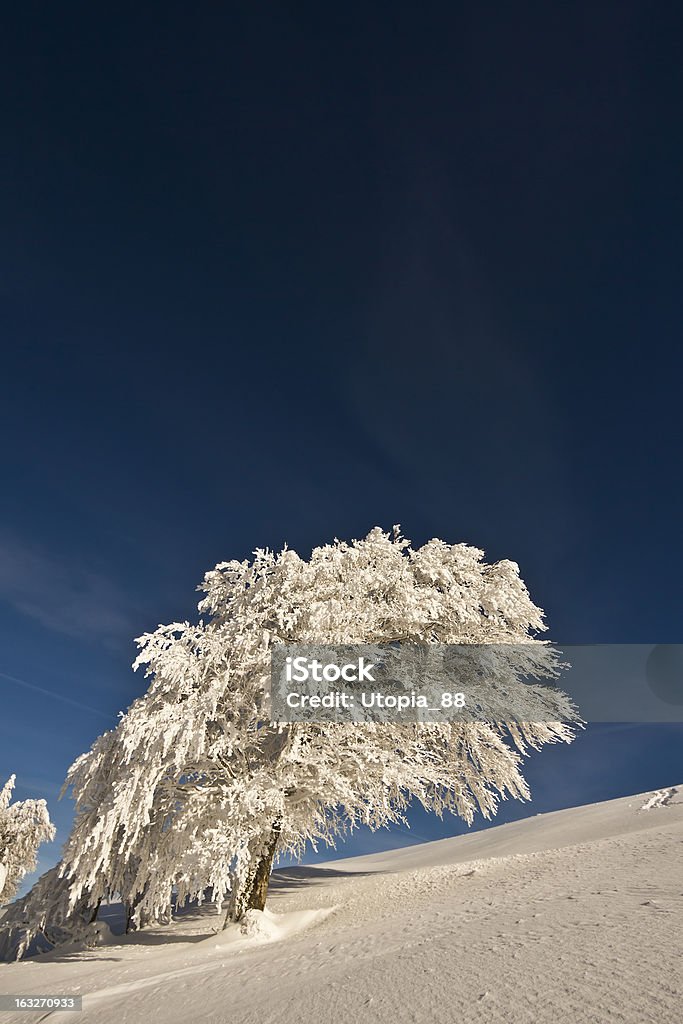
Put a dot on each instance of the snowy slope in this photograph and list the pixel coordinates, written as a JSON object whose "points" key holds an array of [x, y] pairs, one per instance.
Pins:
{"points": [[573, 916]]}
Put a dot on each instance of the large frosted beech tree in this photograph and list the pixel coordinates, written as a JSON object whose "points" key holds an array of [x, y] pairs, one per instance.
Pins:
{"points": [[196, 790]]}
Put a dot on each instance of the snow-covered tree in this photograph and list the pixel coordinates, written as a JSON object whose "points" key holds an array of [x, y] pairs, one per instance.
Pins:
{"points": [[24, 825], [195, 789], [46, 917]]}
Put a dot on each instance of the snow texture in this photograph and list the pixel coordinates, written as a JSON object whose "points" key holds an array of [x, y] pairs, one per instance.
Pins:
{"points": [[660, 798], [572, 916]]}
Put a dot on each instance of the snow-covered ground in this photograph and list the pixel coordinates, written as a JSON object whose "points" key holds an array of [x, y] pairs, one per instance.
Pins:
{"points": [[574, 916]]}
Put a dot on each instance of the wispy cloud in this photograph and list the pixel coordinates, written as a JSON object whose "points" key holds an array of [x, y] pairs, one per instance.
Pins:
{"points": [[67, 598]]}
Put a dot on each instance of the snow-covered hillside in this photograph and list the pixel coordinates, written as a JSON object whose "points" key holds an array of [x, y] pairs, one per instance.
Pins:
{"points": [[574, 916]]}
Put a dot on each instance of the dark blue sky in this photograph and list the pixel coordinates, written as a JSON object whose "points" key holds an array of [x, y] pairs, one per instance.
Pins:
{"points": [[284, 272]]}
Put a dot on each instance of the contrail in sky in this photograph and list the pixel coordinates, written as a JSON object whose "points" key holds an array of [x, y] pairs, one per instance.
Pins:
{"points": [[55, 696]]}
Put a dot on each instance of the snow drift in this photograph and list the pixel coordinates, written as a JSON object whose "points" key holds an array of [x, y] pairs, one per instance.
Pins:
{"points": [[566, 917]]}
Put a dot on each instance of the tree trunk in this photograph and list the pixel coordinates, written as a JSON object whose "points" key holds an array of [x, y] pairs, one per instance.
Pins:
{"points": [[130, 911], [255, 891], [258, 891], [95, 911]]}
